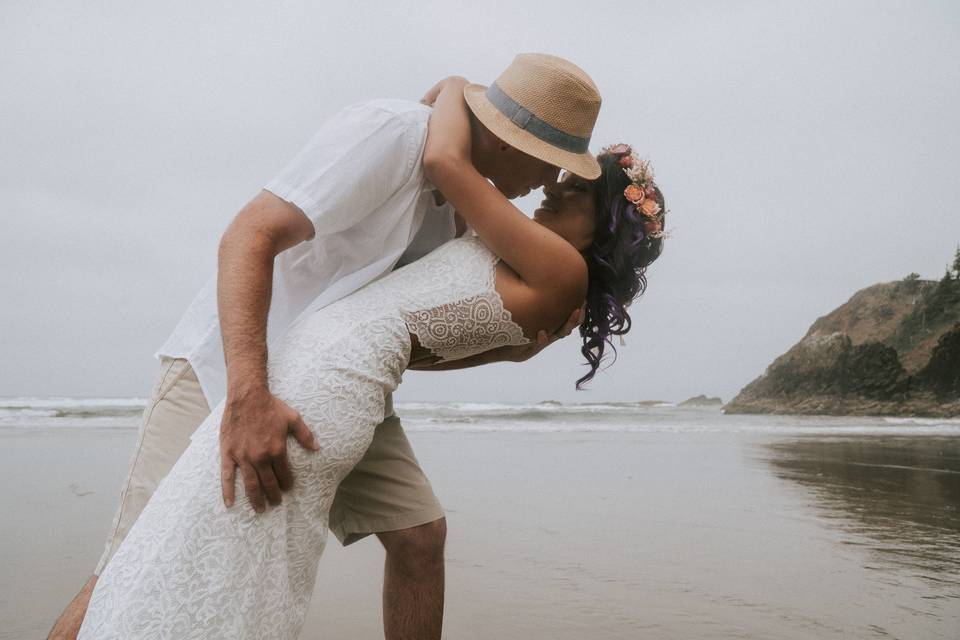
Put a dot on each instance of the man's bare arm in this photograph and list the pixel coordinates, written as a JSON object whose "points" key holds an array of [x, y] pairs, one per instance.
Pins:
{"points": [[255, 425], [500, 354]]}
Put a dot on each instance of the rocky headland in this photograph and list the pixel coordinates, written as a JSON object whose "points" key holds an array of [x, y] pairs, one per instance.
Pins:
{"points": [[701, 401], [892, 349]]}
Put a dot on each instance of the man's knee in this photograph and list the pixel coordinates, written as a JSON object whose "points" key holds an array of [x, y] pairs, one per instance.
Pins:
{"points": [[417, 547]]}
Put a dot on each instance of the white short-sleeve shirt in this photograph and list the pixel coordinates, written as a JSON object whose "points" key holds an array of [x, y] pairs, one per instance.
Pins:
{"points": [[360, 181]]}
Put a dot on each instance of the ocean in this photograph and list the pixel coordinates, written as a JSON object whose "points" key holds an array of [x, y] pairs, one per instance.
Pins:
{"points": [[603, 520], [28, 413]]}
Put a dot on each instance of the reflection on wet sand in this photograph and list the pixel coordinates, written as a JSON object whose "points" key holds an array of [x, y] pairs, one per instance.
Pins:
{"points": [[898, 496]]}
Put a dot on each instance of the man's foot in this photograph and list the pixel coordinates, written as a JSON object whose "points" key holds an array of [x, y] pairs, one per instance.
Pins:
{"points": [[68, 624]]}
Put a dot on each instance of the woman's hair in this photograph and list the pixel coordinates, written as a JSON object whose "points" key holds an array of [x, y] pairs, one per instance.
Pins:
{"points": [[616, 261]]}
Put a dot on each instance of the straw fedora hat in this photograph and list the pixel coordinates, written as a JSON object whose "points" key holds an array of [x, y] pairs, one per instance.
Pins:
{"points": [[544, 106]]}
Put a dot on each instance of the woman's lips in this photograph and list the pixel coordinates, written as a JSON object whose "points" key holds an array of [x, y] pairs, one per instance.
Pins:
{"points": [[549, 206], [544, 208]]}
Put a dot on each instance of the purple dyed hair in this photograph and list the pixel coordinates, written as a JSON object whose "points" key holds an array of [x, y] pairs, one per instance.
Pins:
{"points": [[616, 262]]}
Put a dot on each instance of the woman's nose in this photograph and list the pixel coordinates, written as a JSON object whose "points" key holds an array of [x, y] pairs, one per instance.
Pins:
{"points": [[551, 187]]}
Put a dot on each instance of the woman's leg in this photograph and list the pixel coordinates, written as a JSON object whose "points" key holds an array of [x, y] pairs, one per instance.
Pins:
{"points": [[191, 566]]}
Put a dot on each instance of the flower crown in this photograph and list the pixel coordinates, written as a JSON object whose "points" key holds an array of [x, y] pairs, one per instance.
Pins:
{"points": [[641, 192]]}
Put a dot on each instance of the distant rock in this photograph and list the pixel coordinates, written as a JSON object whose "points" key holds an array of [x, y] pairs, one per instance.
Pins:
{"points": [[701, 401], [892, 349]]}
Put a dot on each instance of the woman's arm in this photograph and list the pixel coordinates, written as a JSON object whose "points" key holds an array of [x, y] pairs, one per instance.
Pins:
{"points": [[545, 262]]}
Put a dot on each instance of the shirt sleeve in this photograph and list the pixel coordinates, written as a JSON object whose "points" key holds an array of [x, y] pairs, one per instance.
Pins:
{"points": [[350, 167]]}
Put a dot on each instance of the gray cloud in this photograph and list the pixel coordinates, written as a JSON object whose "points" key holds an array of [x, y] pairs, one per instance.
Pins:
{"points": [[806, 150]]}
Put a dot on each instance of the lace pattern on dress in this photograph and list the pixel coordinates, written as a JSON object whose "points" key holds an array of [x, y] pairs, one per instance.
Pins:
{"points": [[464, 328], [472, 324]]}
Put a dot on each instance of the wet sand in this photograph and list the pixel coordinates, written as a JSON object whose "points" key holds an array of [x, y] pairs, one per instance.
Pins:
{"points": [[583, 535]]}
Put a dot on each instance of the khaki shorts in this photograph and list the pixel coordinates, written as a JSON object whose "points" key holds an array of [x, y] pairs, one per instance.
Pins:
{"points": [[386, 491]]}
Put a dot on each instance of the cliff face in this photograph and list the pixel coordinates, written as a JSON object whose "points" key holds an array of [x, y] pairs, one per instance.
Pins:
{"points": [[892, 349]]}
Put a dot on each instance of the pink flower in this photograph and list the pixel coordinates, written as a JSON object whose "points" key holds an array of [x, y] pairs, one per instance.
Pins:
{"points": [[651, 226], [619, 149], [650, 207], [626, 161], [634, 194]]}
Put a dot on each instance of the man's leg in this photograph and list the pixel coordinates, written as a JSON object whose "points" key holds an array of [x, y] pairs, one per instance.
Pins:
{"points": [[175, 409], [68, 624], [388, 494], [413, 581]]}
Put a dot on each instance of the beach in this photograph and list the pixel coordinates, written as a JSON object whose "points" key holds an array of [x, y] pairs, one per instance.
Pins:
{"points": [[623, 520]]}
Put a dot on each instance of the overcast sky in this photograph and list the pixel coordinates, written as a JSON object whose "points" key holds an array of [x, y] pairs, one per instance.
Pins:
{"points": [[806, 150]]}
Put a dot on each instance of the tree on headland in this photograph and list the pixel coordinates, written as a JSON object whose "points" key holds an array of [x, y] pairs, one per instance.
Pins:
{"points": [[948, 289], [935, 304], [943, 297], [910, 283]]}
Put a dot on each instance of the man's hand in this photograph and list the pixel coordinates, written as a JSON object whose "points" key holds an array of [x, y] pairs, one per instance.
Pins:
{"points": [[524, 352], [253, 436], [253, 432]]}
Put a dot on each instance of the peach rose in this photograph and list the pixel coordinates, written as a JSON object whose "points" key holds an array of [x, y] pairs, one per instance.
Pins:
{"points": [[650, 207], [634, 194]]}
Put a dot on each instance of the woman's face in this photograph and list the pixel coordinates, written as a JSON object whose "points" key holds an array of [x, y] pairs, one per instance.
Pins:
{"points": [[568, 210]]}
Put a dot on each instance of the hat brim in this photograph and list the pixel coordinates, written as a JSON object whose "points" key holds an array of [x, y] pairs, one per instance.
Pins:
{"points": [[584, 165]]}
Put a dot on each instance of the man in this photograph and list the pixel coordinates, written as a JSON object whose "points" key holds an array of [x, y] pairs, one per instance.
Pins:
{"points": [[352, 205]]}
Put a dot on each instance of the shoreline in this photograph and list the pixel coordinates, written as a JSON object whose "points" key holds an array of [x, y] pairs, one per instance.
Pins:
{"points": [[837, 407]]}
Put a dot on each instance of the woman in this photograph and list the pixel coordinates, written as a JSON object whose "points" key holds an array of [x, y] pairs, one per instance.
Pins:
{"points": [[190, 568]]}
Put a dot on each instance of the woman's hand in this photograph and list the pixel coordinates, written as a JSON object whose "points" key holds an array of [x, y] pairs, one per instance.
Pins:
{"points": [[430, 97]]}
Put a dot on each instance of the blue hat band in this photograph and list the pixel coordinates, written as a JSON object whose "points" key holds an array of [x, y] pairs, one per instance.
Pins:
{"points": [[544, 131]]}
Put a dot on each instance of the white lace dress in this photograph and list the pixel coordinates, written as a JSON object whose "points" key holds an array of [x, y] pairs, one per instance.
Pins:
{"points": [[190, 568]]}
